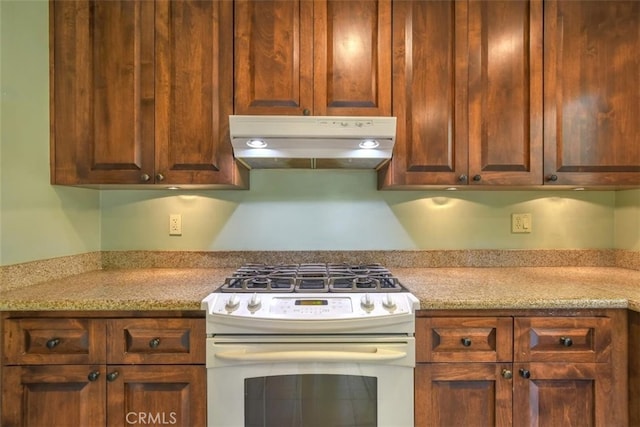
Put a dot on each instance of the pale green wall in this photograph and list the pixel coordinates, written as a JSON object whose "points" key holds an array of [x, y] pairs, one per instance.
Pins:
{"points": [[36, 220], [304, 210], [283, 210], [627, 220]]}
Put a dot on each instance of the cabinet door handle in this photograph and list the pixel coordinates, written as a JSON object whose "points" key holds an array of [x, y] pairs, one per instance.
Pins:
{"points": [[462, 178], [552, 178], [306, 112], [524, 373], [507, 374], [466, 342], [566, 341], [159, 177], [154, 343], [52, 343], [145, 177], [477, 178], [112, 375], [93, 376]]}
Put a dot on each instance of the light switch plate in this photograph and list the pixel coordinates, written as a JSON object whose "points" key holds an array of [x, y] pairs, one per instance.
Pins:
{"points": [[521, 223]]}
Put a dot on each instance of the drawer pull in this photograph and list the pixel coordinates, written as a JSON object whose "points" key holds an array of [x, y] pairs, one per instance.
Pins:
{"points": [[52, 343], [93, 376], [112, 376], [566, 341], [154, 343], [524, 373], [466, 342]]}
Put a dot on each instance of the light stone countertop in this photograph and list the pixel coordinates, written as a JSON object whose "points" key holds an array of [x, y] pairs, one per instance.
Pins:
{"points": [[437, 288]]}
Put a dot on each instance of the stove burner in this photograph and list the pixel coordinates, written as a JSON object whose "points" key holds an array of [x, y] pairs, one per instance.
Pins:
{"points": [[312, 278]]}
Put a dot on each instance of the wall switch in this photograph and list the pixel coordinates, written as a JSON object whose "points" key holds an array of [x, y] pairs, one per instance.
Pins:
{"points": [[175, 225], [521, 223]]}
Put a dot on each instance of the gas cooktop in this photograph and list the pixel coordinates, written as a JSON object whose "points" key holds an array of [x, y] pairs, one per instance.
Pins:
{"points": [[311, 277]]}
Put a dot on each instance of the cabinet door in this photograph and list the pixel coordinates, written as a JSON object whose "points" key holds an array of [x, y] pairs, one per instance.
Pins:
{"points": [[429, 94], [194, 83], [352, 57], [552, 394], [273, 57], [157, 395], [592, 92], [505, 92], [62, 395], [102, 91], [463, 394]]}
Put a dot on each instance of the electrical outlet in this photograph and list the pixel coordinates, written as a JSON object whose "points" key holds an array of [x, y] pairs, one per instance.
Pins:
{"points": [[175, 225], [521, 223]]}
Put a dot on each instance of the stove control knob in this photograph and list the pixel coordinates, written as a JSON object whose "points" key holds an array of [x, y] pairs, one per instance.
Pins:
{"points": [[254, 303], [367, 303], [389, 304], [232, 303]]}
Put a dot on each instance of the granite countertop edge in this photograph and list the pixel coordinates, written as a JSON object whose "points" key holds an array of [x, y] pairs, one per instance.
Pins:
{"points": [[457, 288]]}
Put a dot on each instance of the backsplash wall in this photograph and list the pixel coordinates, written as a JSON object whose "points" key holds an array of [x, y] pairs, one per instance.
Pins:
{"points": [[342, 210]]}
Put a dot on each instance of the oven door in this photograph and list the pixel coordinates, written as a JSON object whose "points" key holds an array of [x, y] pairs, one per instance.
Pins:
{"points": [[308, 381]]}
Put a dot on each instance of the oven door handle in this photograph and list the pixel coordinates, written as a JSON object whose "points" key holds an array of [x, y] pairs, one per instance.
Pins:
{"points": [[378, 354]]}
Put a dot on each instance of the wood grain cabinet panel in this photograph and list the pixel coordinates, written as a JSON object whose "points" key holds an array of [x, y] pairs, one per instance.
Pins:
{"points": [[467, 92], [473, 339], [320, 57], [61, 395], [157, 395], [53, 341], [563, 339], [564, 369], [592, 92], [141, 92], [102, 371], [161, 341], [463, 394]]}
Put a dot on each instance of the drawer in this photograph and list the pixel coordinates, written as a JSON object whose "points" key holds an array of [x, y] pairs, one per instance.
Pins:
{"points": [[464, 339], [156, 341], [54, 341], [562, 339]]}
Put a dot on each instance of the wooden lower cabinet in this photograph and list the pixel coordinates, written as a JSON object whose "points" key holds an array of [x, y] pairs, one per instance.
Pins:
{"points": [[462, 394], [565, 368], [85, 370]]}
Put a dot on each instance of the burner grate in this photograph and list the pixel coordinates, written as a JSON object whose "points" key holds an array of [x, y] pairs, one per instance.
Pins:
{"points": [[312, 277]]}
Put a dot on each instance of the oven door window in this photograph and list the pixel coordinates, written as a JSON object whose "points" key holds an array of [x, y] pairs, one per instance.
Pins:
{"points": [[311, 400]]}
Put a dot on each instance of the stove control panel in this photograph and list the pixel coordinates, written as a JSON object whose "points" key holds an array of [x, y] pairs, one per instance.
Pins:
{"points": [[310, 306]]}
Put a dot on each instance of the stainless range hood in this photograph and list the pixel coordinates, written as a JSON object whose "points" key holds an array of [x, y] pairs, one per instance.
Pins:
{"points": [[312, 142]]}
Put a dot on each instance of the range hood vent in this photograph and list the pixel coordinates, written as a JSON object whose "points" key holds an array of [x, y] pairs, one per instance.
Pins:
{"points": [[312, 142]]}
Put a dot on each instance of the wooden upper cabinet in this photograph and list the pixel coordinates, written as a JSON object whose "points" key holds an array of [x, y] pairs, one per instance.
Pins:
{"points": [[592, 92], [140, 93], [467, 92], [505, 92], [194, 84], [429, 93], [320, 57], [101, 91]]}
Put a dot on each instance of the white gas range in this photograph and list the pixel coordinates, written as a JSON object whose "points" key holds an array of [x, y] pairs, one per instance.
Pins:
{"points": [[310, 344]]}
